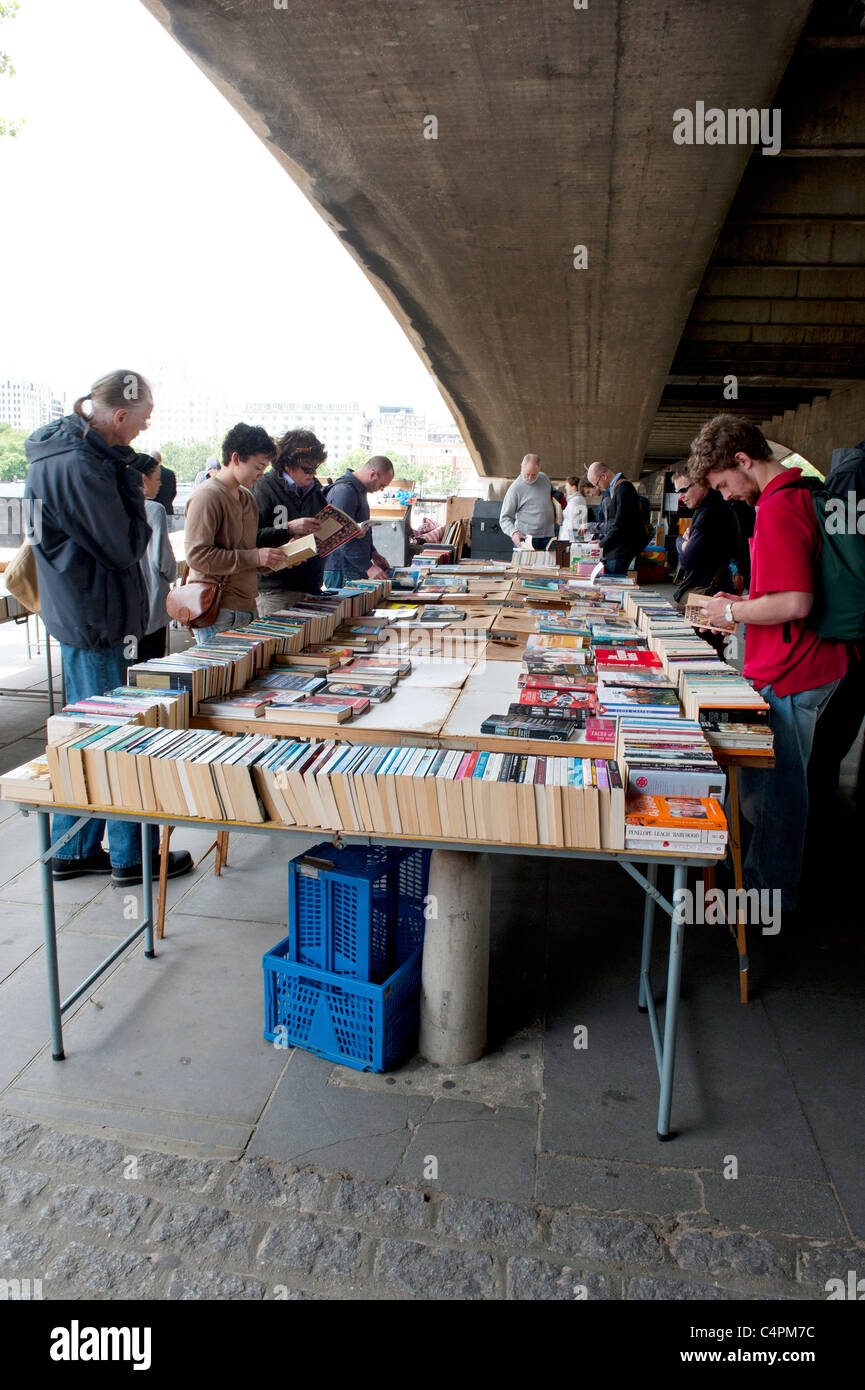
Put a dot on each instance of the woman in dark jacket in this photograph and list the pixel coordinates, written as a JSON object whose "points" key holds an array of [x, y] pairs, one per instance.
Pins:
{"points": [[289, 499], [90, 531]]}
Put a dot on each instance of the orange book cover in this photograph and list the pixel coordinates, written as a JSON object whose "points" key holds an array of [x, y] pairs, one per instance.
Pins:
{"points": [[676, 812]]}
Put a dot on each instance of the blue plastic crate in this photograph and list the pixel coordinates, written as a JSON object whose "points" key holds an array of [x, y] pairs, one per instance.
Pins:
{"points": [[366, 1026], [361, 918]]}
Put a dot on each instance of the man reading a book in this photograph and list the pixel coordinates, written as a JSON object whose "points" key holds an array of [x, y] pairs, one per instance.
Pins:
{"points": [[289, 499], [623, 533], [358, 559], [222, 530], [793, 669]]}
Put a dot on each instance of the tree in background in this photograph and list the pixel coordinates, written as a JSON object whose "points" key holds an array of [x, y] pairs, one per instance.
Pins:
{"points": [[187, 457], [13, 460], [8, 10]]}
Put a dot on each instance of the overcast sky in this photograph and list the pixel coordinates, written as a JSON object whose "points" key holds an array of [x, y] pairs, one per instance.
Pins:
{"points": [[143, 224]]}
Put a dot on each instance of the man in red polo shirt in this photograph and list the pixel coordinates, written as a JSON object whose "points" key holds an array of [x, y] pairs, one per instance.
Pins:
{"points": [[794, 670]]}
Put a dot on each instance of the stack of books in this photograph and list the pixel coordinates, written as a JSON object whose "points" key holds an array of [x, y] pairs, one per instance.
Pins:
{"points": [[658, 758], [676, 825], [168, 709]]}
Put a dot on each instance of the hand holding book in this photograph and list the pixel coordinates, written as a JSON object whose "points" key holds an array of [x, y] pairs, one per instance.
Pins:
{"points": [[708, 613]]}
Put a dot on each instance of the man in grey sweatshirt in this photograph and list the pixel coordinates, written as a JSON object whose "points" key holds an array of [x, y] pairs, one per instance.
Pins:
{"points": [[528, 506]]}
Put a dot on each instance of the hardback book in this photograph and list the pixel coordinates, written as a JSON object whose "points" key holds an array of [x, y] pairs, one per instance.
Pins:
{"points": [[358, 690], [505, 726], [305, 712]]}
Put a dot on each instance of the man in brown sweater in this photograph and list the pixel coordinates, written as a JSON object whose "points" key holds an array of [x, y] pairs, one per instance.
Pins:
{"points": [[222, 527]]}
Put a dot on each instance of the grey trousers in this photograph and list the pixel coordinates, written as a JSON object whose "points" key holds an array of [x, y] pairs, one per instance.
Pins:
{"points": [[272, 600]]}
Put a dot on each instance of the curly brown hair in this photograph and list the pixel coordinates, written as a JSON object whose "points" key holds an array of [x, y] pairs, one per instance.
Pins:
{"points": [[718, 442]]}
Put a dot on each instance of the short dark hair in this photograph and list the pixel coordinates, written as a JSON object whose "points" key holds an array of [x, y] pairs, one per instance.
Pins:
{"points": [[246, 440], [145, 464], [298, 449], [379, 463], [718, 442]]}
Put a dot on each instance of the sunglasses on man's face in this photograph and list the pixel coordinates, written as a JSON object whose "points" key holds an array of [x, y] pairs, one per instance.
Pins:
{"points": [[680, 491]]}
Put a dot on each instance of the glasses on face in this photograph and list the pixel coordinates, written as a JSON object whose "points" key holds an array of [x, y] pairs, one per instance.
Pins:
{"points": [[309, 470], [680, 491]]}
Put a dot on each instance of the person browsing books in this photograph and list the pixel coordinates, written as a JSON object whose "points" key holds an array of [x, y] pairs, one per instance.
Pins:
{"points": [[527, 509], [623, 535], [576, 513], [794, 670], [158, 564], [167, 484], [358, 559], [289, 496], [94, 533], [222, 529]]}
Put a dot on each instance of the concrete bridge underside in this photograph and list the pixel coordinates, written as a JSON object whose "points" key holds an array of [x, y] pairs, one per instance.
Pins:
{"points": [[554, 130]]}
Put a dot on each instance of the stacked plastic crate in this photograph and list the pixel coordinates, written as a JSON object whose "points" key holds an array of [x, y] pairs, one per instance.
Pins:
{"points": [[345, 982]]}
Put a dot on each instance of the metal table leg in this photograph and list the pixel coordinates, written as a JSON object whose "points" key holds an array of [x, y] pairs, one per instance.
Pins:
{"points": [[147, 883], [648, 926], [671, 1010], [50, 933]]}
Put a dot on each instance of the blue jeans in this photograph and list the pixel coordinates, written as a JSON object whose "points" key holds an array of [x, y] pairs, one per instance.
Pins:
{"points": [[341, 573], [92, 673], [774, 801], [540, 542], [226, 618]]}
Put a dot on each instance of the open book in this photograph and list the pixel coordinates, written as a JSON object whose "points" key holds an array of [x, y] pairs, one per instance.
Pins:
{"points": [[337, 528]]}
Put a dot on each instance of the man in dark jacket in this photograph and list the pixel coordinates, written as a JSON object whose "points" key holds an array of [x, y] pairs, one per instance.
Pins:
{"points": [[289, 498], [167, 484], [624, 534], [89, 533], [358, 559]]}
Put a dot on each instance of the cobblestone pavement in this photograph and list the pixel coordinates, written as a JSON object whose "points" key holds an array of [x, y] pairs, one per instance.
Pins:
{"points": [[92, 1220]]}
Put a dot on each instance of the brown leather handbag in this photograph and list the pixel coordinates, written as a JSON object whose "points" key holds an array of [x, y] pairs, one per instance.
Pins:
{"points": [[196, 604]]}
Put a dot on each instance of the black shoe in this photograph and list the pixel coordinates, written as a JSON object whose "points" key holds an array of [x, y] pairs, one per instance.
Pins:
{"points": [[179, 863], [96, 863]]}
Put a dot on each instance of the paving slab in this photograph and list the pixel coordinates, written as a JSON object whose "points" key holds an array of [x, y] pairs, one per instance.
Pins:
{"points": [[23, 750], [21, 935], [774, 1204], [25, 1027], [602, 1099], [180, 1034], [19, 843], [334, 1128], [610, 1186], [820, 1037], [480, 1151], [21, 718]]}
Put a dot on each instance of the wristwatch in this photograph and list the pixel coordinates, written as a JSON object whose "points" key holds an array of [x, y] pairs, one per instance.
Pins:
{"points": [[728, 613]]}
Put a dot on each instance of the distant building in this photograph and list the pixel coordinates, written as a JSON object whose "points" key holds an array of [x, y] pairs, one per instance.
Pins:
{"points": [[188, 410], [397, 425], [25, 405], [341, 427]]}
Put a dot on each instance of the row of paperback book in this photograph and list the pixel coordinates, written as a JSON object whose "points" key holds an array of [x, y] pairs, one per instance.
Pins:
{"points": [[710, 690], [365, 788]]}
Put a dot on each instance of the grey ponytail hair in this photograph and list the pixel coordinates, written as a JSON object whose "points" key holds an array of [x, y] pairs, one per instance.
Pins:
{"points": [[118, 390]]}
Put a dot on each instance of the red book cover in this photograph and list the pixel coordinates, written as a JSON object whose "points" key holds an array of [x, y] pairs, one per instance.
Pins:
{"points": [[467, 766], [600, 730], [622, 657]]}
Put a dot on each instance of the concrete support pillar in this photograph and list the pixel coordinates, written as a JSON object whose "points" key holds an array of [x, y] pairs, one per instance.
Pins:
{"points": [[456, 957]]}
